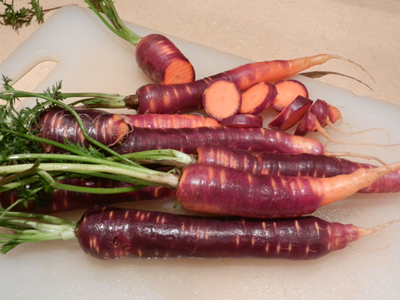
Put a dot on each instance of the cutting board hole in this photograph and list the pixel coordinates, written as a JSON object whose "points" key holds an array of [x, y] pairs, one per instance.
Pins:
{"points": [[34, 76]]}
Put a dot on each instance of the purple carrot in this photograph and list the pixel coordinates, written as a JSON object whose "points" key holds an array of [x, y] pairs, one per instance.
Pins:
{"points": [[58, 125], [62, 200], [153, 98], [226, 191], [110, 233], [155, 54], [292, 165]]}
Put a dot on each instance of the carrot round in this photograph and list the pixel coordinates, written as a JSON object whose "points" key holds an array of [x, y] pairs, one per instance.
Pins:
{"points": [[291, 114], [226, 191], [221, 99], [153, 98], [257, 98], [110, 233], [286, 92], [244, 120]]}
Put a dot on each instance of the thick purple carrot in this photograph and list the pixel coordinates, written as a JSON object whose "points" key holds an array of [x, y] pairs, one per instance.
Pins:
{"points": [[174, 98], [63, 200], [162, 61], [155, 54], [226, 191], [58, 125], [155, 234], [110, 233], [293, 165]]}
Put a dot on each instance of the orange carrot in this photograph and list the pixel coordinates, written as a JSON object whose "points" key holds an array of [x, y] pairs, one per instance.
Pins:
{"points": [[257, 98], [221, 99], [287, 91]]}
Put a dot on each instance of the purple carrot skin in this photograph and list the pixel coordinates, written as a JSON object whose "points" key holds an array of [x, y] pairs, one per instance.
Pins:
{"points": [[292, 165], [62, 200], [244, 120], [187, 140], [169, 99], [110, 233], [170, 121], [58, 124], [162, 61], [291, 114], [226, 191]]}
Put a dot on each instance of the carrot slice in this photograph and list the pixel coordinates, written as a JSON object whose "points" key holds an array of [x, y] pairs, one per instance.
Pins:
{"points": [[257, 98], [243, 120], [291, 114], [222, 99], [287, 91]]}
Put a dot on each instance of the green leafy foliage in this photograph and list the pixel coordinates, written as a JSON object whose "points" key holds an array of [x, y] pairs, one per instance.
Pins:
{"points": [[16, 18]]}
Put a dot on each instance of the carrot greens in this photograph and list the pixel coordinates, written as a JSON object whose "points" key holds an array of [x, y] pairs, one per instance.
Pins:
{"points": [[24, 166]]}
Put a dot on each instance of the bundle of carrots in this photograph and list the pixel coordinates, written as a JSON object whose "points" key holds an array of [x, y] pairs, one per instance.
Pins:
{"points": [[256, 183]]}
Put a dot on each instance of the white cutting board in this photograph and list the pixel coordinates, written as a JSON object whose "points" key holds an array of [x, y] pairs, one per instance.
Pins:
{"points": [[90, 58]]}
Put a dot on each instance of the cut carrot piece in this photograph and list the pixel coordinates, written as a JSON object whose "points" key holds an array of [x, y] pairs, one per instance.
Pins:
{"points": [[287, 91], [257, 98], [242, 121], [291, 114], [222, 99]]}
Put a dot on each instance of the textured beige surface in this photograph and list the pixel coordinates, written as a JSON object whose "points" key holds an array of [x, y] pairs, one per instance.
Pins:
{"points": [[367, 32]]}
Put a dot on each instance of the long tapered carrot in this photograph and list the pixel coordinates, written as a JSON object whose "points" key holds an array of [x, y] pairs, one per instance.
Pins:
{"points": [[59, 125], [155, 98], [226, 191], [110, 233], [304, 164]]}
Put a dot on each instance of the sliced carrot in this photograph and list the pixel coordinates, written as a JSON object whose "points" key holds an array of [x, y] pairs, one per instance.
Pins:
{"points": [[243, 120], [287, 91], [222, 99], [292, 114], [257, 98]]}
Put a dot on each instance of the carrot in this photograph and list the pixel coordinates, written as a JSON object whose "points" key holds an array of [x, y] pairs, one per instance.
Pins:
{"points": [[257, 98], [110, 233], [292, 165], [244, 120], [291, 114], [108, 129], [64, 200], [170, 121], [59, 125], [155, 54], [225, 191], [287, 91], [153, 98], [221, 99]]}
